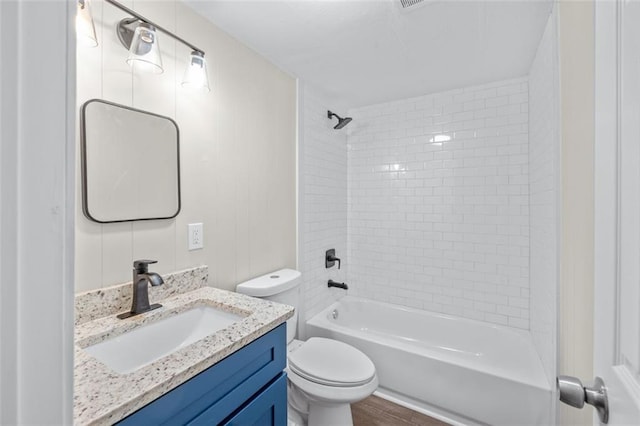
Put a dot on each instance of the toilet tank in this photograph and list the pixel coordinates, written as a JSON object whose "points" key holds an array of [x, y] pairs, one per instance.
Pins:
{"points": [[282, 286]]}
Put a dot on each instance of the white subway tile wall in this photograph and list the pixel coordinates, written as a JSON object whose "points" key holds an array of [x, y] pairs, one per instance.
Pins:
{"points": [[323, 201], [438, 211], [544, 157]]}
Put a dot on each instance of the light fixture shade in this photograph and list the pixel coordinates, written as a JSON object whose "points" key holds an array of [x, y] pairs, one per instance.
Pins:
{"points": [[85, 29], [144, 52], [195, 76]]}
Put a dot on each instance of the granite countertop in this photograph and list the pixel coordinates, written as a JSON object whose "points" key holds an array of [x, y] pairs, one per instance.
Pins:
{"points": [[102, 396]]}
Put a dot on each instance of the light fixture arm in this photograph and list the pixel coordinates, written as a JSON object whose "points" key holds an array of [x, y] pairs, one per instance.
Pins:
{"points": [[139, 17]]}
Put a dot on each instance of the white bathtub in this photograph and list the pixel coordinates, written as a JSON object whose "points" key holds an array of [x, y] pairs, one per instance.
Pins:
{"points": [[463, 370]]}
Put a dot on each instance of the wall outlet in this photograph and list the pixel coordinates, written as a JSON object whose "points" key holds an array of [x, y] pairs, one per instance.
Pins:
{"points": [[196, 236]]}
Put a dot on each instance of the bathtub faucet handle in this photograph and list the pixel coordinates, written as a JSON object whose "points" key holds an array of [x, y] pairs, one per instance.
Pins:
{"points": [[330, 259]]}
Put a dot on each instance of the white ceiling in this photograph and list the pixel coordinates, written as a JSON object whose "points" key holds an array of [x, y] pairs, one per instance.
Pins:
{"points": [[368, 51]]}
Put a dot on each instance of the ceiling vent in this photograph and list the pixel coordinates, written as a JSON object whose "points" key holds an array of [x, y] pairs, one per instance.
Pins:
{"points": [[410, 3]]}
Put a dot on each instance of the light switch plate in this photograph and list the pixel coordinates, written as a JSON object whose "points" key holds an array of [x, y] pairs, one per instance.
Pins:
{"points": [[196, 236]]}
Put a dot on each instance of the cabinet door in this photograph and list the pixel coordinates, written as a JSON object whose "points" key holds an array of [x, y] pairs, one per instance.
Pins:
{"points": [[267, 408]]}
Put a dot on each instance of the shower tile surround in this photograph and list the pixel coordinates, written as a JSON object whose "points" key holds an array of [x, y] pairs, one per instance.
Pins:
{"points": [[322, 200], [438, 202], [466, 226]]}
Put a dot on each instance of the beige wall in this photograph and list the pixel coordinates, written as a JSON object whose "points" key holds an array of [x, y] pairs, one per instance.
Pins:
{"points": [[238, 154], [577, 80]]}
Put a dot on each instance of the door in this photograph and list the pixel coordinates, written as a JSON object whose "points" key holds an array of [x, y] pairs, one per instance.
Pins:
{"points": [[617, 208]]}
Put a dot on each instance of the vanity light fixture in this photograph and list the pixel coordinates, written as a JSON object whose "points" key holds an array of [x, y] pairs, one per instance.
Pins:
{"points": [[139, 36], [144, 50], [195, 76], [85, 28]]}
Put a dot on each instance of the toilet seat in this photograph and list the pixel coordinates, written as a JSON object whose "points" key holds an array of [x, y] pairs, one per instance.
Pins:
{"points": [[331, 394], [331, 363]]}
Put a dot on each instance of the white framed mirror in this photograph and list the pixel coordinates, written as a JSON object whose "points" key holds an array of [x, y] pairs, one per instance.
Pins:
{"points": [[130, 163]]}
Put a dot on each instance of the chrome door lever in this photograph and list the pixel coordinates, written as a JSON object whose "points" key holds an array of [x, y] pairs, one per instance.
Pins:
{"points": [[572, 392]]}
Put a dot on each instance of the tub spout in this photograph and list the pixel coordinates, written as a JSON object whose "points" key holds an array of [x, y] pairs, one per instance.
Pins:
{"points": [[332, 283]]}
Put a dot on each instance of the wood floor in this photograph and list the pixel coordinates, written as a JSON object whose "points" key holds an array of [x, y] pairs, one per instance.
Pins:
{"points": [[375, 411]]}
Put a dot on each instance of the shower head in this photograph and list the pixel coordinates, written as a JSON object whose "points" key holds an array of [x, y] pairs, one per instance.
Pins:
{"points": [[341, 121]]}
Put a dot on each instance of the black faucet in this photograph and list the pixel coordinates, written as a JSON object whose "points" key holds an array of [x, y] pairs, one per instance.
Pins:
{"points": [[330, 259], [332, 283], [141, 280]]}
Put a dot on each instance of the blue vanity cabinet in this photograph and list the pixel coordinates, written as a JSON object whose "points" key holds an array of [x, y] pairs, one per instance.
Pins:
{"points": [[247, 387]]}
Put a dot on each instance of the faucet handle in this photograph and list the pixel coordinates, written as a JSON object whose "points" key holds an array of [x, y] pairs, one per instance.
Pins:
{"points": [[142, 265], [330, 259]]}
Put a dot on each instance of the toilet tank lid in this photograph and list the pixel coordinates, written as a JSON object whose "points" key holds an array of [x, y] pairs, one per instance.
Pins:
{"points": [[270, 284]]}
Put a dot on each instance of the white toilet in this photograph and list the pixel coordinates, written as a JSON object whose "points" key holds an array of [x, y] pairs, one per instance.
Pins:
{"points": [[325, 376]]}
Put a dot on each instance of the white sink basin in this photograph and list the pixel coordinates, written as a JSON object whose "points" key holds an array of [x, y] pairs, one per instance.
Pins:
{"points": [[144, 345]]}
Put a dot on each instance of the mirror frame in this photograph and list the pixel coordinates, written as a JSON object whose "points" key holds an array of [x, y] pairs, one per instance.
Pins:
{"points": [[83, 154]]}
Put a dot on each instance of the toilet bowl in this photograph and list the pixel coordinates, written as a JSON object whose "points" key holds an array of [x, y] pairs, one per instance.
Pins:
{"points": [[330, 375], [325, 375]]}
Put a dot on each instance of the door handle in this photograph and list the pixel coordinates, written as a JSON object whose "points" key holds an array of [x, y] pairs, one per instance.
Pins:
{"points": [[572, 392]]}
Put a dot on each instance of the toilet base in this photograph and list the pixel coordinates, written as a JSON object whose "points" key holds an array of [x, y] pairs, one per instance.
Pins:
{"points": [[294, 418], [306, 410], [330, 414]]}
